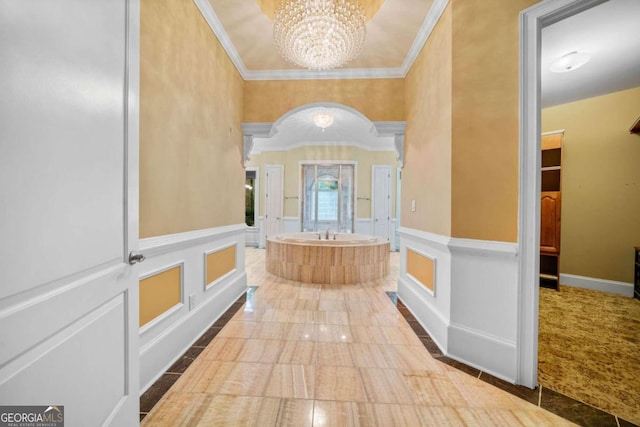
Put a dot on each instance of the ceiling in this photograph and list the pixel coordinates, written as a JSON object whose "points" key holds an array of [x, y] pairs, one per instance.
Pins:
{"points": [[609, 32]]}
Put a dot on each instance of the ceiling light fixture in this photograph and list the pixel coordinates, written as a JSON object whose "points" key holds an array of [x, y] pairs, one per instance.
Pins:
{"points": [[323, 119], [569, 62], [319, 34]]}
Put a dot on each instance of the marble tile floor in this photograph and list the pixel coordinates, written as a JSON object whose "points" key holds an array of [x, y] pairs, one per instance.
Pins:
{"points": [[297, 354], [589, 348]]}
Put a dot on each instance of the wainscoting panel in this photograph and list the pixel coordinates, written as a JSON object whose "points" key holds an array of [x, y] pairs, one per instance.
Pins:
{"points": [[219, 263], [472, 315], [163, 340], [431, 310], [159, 292]]}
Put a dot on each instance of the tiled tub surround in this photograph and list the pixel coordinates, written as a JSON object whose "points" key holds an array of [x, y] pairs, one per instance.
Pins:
{"points": [[328, 261]]}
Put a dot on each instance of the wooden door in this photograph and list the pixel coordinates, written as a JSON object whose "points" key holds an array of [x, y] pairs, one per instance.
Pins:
{"points": [[68, 208], [550, 202]]}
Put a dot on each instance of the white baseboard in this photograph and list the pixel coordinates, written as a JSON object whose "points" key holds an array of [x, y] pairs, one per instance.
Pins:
{"points": [[489, 354], [416, 300], [611, 286]]}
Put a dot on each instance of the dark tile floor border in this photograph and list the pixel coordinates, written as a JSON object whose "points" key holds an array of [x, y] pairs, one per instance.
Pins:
{"points": [[557, 403], [561, 405]]}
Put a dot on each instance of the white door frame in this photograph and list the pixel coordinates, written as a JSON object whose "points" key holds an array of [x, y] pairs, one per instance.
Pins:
{"points": [[532, 20]]}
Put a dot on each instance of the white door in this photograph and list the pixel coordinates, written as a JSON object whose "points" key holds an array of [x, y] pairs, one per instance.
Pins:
{"points": [[381, 200], [274, 199], [68, 208]]}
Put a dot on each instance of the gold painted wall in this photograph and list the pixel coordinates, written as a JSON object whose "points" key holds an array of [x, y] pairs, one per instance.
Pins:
{"points": [[377, 99], [190, 114], [600, 184], [159, 293], [291, 161], [426, 176], [484, 170], [421, 268], [220, 263]]}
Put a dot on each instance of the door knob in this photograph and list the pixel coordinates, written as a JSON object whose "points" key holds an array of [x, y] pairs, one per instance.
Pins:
{"points": [[135, 257]]}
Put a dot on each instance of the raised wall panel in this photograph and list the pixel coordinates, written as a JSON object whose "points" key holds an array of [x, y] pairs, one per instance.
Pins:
{"points": [[422, 269], [160, 292], [219, 263]]}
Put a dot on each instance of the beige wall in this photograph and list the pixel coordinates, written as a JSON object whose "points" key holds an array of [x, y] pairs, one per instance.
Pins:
{"points": [[462, 132], [377, 99], [600, 184], [291, 162], [484, 200], [426, 177], [190, 114]]}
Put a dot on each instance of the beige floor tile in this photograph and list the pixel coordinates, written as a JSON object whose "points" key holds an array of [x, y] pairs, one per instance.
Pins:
{"points": [[412, 357], [295, 413], [339, 383], [333, 354], [367, 334], [400, 335], [209, 377], [303, 332], [389, 414], [247, 379], [335, 414], [238, 329], [334, 333], [432, 388], [263, 351], [175, 409], [479, 394], [439, 416], [332, 305], [385, 386], [298, 353], [370, 355], [330, 317], [291, 381], [271, 331], [222, 348], [228, 410]]}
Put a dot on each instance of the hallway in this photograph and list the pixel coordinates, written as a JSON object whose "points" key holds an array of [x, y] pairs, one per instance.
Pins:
{"points": [[299, 354]]}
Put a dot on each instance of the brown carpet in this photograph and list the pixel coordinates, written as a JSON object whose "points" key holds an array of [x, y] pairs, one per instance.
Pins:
{"points": [[589, 348]]}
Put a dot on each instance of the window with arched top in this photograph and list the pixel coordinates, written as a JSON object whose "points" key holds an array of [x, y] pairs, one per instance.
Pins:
{"points": [[328, 195]]}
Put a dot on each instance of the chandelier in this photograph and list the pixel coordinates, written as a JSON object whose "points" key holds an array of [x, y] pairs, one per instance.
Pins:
{"points": [[319, 34]]}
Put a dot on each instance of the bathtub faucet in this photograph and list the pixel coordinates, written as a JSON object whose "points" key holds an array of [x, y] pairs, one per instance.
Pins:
{"points": [[327, 235]]}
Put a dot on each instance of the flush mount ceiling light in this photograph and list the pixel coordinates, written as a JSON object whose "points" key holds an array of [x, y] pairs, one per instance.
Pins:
{"points": [[323, 119], [569, 62], [319, 34]]}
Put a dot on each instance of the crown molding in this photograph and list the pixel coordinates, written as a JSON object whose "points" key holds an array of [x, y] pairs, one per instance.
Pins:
{"points": [[429, 23], [216, 26], [436, 11]]}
